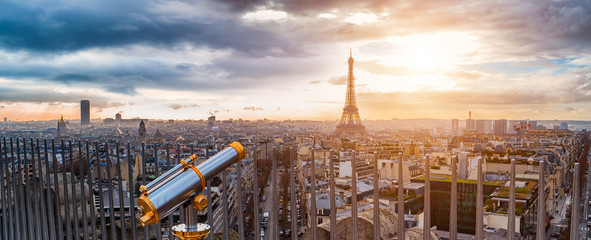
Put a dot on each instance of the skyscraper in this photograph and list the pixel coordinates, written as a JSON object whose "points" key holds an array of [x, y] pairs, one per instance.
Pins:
{"points": [[84, 112], [118, 116], [350, 124]]}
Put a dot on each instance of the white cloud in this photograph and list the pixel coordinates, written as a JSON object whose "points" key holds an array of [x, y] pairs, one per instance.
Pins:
{"points": [[327, 16], [265, 15], [361, 18]]}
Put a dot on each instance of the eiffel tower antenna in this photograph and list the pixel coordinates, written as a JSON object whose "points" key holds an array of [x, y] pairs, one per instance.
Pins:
{"points": [[350, 124]]}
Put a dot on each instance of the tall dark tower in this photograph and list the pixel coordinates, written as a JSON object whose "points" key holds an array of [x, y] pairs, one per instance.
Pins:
{"points": [[142, 130], [350, 124], [84, 112]]}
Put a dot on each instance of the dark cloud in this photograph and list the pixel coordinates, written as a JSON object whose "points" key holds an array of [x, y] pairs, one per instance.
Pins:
{"points": [[73, 77], [186, 66], [181, 106], [243, 5], [59, 27], [253, 108]]}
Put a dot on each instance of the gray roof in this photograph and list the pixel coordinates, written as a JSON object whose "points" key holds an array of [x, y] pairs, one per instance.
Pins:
{"points": [[323, 201]]}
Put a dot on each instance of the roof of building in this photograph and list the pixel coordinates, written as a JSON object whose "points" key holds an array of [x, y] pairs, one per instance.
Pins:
{"points": [[413, 186]]}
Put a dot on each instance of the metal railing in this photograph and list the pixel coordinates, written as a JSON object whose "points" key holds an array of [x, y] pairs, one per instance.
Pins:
{"points": [[88, 190]]}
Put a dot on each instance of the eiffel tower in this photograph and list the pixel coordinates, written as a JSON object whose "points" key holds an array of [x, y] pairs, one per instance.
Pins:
{"points": [[350, 124]]}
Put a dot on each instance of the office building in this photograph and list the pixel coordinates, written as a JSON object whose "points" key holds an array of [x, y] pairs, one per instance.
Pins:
{"points": [[84, 112], [440, 202], [118, 116]]}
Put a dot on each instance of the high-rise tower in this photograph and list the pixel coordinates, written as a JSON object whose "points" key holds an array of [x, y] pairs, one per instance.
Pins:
{"points": [[350, 124], [84, 112]]}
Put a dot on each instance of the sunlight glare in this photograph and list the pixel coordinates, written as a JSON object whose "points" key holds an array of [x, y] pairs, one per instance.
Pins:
{"points": [[265, 15], [361, 18], [432, 51]]}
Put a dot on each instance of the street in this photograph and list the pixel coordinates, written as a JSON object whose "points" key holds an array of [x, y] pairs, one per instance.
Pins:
{"points": [[266, 206]]}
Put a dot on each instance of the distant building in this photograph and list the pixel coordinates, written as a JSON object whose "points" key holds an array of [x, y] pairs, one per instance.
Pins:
{"points": [[483, 126], [211, 121], [61, 127], [455, 127], [61, 124], [350, 124], [562, 125], [389, 169], [500, 127], [470, 123], [532, 124], [440, 202], [5, 120], [84, 112], [118, 116], [142, 130]]}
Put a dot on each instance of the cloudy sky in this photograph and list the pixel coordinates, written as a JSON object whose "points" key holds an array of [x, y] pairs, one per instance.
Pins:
{"points": [[286, 59]]}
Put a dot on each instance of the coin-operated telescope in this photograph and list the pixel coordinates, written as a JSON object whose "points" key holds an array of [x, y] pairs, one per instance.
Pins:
{"points": [[182, 185]]}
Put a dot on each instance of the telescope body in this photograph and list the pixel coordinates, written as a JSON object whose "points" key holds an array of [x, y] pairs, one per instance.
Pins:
{"points": [[177, 186]]}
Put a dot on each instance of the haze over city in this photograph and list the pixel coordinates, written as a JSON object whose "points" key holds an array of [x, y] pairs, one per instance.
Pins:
{"points": [[287, 59]]}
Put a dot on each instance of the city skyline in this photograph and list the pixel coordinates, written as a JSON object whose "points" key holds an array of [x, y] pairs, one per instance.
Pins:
{"points": [[284, 60]]}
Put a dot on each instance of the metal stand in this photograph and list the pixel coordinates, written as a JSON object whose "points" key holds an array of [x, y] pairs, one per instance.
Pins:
{"points": [[192, 230]]}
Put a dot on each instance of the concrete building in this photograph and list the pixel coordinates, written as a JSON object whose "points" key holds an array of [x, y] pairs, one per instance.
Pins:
{"points": [[389, 169], [84, 112]]}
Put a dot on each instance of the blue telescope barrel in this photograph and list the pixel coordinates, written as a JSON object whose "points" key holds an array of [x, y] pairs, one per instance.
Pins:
{"points": [[161, 196]]}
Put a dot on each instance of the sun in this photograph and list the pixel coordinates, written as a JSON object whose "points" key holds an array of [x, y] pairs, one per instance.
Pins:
{"points": [[437, 51], [423, 59]]}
